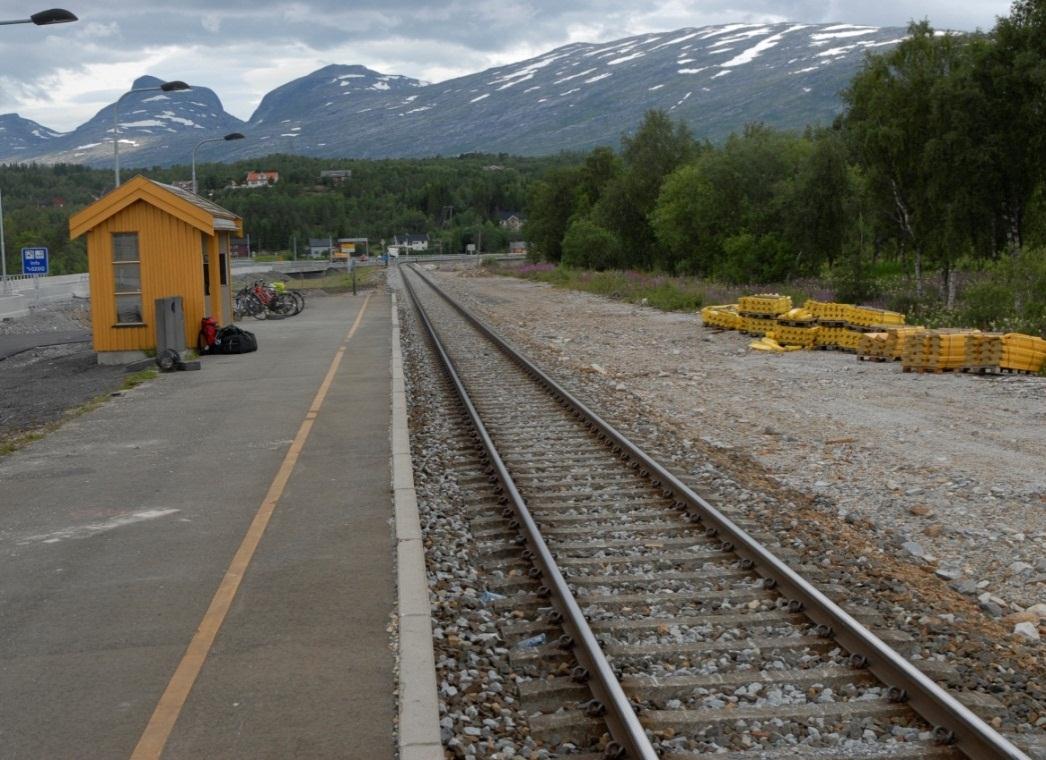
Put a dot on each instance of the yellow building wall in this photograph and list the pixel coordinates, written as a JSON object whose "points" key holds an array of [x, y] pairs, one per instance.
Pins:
{"points": [[171, 259]]}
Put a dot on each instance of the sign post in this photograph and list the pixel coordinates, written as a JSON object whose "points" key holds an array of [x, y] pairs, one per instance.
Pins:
{"points": [[35, 261], [3, 251]]}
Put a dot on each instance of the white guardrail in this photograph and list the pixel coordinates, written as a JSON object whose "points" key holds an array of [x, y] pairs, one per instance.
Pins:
{"points": [[19, 292]]}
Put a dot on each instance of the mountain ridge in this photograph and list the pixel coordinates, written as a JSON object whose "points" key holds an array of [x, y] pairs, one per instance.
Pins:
{"points": [[715, 78]]}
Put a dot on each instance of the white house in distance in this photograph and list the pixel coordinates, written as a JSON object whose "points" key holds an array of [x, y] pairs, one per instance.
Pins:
{"points": [[404, 244], [319, 248], [261, 179], [511, 220]]}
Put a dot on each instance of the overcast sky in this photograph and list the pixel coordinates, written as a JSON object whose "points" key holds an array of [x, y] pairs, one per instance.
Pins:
{"points": [[62, 75]]}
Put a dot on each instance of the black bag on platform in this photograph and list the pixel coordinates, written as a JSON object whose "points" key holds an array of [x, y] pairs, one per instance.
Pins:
{"points": [[232, 340]]}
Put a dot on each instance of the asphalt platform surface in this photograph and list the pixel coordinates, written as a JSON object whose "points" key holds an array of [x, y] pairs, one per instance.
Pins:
{"points": [[119, 531]]}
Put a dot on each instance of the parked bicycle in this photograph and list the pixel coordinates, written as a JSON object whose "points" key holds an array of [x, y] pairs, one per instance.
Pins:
{"points": [[263, 300]]}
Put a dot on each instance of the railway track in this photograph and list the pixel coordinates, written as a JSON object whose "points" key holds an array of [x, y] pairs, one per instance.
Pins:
{"points": [[646, 622]]}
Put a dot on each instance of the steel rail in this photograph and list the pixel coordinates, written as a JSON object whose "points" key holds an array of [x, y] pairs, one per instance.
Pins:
{"points": [[611, 704], [953, 722]]}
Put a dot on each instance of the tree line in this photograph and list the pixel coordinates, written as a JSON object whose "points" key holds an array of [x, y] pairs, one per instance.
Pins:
{"points": [[936, 164], [455, 200]]}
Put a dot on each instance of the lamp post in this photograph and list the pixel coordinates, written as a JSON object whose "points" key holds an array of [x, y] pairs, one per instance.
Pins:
{"points": [[165, 87], [43, 18], [230, 136]]}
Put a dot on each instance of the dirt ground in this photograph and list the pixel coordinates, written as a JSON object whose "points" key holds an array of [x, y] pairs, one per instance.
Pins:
{"points": [[41, 385], [948, 469], [37, 387]]}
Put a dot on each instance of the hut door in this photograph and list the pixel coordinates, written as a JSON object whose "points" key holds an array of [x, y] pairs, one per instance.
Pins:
{"points": [[204, 246]]}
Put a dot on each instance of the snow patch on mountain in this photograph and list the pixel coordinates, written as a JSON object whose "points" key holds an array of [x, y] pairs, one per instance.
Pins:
{"points": [[838, 35], [632, 57]]}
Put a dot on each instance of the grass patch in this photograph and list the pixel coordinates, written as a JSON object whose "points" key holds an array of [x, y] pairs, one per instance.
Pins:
{"points": [[657, 290], [339, 282], [138, 378], [661, 291]]}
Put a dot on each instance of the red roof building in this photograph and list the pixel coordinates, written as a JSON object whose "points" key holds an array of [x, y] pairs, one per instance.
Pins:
{"points": [[261, 179]]}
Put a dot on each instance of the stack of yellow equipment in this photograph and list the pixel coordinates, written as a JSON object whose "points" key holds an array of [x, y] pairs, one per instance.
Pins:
{"points": [[848, 339], [873, 346], [866, 316], [983, 350], [897, 337], [1026, 353], [936, 350], [764, 304], [829, 311], [789, 335], [842, 338], [757, 325], [829, 337], [796, 327], [724, 317]]}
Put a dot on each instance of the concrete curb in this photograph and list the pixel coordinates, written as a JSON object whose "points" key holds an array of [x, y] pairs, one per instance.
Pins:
{"points": [[419, 735]]}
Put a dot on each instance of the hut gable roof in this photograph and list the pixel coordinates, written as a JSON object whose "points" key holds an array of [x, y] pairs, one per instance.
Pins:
{"points": [[192, 209]]}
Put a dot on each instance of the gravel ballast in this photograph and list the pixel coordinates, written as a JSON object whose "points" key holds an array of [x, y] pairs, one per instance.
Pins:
{"points": [[922, 496]]}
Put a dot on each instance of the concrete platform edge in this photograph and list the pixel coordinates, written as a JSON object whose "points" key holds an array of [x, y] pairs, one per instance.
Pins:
{"points": [[419, 735]]}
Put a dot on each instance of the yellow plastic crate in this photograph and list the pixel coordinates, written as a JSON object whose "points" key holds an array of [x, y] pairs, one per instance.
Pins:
{"points": [[757, 325], [764, 303], [983, 350], [829, 337], [724, 317], [849, 339], [1026, 353], [1020, 340], [873, 346], [790, 335], [866, 316], [829, 311], [897, 338]]}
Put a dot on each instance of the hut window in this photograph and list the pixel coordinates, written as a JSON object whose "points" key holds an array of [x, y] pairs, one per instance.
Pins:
{"points": [[127, 278]]}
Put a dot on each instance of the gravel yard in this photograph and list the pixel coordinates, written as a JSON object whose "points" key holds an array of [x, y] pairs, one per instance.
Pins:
{"points": [[949, 468], [38, 386]]}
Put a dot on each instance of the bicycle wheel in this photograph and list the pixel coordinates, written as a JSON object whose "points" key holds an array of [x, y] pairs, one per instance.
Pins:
{"points": [[244, 304], [256, 308], [284, 305], [299, 298]]}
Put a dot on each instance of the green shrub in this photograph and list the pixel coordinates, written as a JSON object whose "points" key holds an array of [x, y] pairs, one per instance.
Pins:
{"points": [[587, 245], [852, 280], [754, 258], [986, 304]]}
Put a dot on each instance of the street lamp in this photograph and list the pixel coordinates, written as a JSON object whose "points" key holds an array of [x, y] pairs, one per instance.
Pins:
{"points": [[43, 18], [165, 87], [230, 136]]}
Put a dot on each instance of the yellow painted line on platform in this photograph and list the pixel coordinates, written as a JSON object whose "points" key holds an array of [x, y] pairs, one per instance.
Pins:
{"points": [[154, 738]]}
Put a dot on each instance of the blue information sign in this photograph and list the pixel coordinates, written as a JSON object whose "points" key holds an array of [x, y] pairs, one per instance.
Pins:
{"points": [[34, 261]]}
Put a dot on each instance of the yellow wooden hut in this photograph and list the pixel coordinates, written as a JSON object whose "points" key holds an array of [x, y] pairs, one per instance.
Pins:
{"points": [[147, 240]]}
